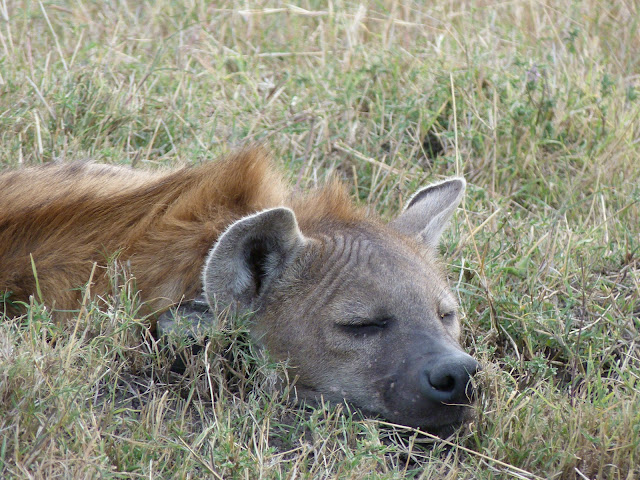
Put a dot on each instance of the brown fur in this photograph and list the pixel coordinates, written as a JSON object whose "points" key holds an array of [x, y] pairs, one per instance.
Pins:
{"points": [[162, 225]]}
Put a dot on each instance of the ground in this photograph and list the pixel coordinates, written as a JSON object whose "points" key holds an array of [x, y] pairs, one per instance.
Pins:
{"points": [[537, 104]]}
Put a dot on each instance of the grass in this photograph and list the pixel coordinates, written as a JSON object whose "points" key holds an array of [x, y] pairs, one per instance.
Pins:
{"points": [[536, 103]]}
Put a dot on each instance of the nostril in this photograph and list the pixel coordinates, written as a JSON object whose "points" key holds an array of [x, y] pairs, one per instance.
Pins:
{"points": [[443, 382], [449, 379]]}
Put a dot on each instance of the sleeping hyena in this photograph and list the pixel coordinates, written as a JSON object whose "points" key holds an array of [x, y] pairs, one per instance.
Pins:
{"points": [[360, 309]]}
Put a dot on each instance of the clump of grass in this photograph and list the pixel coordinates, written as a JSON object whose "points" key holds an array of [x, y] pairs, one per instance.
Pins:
{"points": [[536, 104]]}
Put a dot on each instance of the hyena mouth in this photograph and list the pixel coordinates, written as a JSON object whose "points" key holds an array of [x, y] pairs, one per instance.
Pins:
{"points": [[414, 403]]}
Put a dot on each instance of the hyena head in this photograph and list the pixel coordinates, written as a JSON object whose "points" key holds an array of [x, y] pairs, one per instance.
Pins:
{"points": [[362, 311]]}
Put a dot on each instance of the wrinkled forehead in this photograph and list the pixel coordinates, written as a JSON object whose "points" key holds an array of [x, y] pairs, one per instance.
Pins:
{"points": [[380, 262]]}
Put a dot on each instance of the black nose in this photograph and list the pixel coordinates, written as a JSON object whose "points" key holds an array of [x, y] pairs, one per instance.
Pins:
{"points": [[448, 379]]}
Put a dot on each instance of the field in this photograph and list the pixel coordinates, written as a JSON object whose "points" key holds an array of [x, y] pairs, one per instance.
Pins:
{"points": [[536, 103]]}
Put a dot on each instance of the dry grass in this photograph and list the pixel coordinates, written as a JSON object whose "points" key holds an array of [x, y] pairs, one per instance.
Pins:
{"points": [[537, 103]]}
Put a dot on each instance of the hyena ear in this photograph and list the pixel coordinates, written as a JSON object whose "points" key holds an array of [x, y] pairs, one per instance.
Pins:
{"points": [[248, 256], [427, 213]]}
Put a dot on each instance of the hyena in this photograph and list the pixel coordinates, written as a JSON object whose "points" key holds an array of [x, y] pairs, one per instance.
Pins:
{"points": [[361, 310]]}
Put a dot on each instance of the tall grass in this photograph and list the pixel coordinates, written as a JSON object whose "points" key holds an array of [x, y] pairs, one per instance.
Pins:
{"points": [[536, 103]]}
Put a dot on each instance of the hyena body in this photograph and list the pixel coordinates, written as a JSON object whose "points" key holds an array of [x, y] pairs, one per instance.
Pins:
{"points": [[361, 310]]}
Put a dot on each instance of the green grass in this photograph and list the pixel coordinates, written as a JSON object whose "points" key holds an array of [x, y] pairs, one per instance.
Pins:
{"points": [[536, 103]]}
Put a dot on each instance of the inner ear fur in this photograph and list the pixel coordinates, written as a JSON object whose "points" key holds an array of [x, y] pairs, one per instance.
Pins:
{"points": [[429, 210], [248, 256]]}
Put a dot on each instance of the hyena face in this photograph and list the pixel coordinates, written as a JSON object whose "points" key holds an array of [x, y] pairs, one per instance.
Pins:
{"points": [[362, 311]]}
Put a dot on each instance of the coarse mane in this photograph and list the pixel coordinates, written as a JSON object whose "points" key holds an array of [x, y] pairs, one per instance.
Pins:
{"points": [[327, 206]]}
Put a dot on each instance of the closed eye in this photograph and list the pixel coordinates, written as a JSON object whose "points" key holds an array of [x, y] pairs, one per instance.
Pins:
{"points": [[448, 316], [363, 326]]}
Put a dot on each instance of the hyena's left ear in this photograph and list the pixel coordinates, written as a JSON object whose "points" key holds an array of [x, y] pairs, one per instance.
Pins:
{"points": [[249, 256], [427, 213]]}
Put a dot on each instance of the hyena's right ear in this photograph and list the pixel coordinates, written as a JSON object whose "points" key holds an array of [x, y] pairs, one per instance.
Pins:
{"points": [[249, 255], [428, 212]]}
